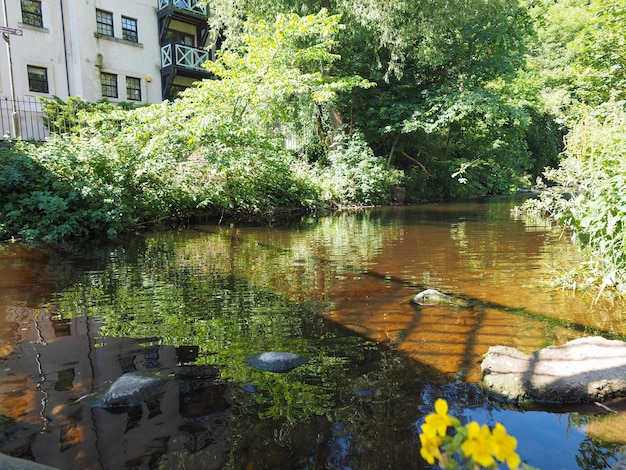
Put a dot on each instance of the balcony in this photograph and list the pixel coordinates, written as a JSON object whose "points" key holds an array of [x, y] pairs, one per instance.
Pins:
{"points": [[175, 56], [178, 60], [191, 12], [199, 7]]}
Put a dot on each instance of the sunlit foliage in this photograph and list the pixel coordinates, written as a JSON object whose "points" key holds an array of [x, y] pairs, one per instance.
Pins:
{"points": [[219, 151]]}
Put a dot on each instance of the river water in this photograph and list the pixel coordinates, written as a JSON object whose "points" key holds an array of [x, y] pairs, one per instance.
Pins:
{"points": [[190, 305]]}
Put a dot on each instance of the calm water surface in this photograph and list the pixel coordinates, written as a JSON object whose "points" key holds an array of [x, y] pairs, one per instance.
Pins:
{"points": [[191, 305]]}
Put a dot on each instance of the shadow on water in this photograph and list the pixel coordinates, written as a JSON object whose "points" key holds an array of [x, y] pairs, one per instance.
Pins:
{"points": [[192, 305]]}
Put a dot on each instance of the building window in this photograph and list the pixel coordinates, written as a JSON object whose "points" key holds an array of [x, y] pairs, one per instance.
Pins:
{"points": [[31, 13], [176, 90], [104, 21], [129, 29], [179, 37], [37, 79], [133, 88], [109, 85]]}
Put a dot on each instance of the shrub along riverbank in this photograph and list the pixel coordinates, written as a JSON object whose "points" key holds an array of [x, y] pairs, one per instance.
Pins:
{"points": [[589, 195], [74, 188], [218, 151]]}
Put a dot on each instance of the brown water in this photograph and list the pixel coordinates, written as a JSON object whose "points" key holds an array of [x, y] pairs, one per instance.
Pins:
{"points": [[193, 304]]}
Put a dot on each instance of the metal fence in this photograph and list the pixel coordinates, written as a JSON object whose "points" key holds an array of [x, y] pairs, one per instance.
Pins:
{"points": [[30, 122], [29, 119]]}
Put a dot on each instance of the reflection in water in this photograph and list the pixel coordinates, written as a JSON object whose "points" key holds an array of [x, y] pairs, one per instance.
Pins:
{"points": [[193, 304]]}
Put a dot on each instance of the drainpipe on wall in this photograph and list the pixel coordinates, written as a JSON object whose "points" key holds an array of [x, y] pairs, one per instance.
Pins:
{"points": [[5, 36], [67, 68]]}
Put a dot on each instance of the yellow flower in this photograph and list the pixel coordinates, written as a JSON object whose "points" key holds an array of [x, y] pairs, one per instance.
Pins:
{"points": [[504, 446], [436, 424], [430, 448], [478, 444]]}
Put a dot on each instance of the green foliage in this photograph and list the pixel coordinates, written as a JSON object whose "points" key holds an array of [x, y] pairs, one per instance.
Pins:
{"points": [[64, 189], [62, 117], [218, 151], [551, 50], [590, 198], [577, 66], [579, 54], [544, 138], [599, 66], [448, 99], [354, 175], [445, 93]]}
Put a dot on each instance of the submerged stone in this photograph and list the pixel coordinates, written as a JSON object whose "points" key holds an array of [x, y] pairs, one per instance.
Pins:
{"points": [[275, 361], [590, 369], [363, 392], [250, 388], [129, 390], [432, 297]]}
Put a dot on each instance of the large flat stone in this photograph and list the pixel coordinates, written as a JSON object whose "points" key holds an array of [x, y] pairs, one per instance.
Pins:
{"points": [[583, 370]]}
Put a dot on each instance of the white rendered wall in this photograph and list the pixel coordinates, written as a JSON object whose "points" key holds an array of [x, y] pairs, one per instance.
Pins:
{"points": [[74, 60]]}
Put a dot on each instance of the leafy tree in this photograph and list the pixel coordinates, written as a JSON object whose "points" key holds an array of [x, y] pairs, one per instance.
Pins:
{"points": [[579, 54], [551, 53], [443, 98], [446, 105], [599, 65]]}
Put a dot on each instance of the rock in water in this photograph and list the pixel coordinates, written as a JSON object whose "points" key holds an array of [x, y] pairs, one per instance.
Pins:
{"points": [[275, 361], [583, 370], [129, 390], [250, 388], [432, 297]]}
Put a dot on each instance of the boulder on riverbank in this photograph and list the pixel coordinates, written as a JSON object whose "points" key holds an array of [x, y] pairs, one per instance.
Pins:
{"points": [[591, 369]]}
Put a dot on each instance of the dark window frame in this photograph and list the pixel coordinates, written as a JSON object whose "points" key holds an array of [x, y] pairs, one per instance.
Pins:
{"points": [[104, 23], [37, 83], [108, 83], [180, 37], [176, 90], [129, 29], [133, 88], [31, 13]]}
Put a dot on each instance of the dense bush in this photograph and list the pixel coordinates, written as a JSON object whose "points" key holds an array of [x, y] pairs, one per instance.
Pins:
{"points": [[74, 187], [354, 175]]}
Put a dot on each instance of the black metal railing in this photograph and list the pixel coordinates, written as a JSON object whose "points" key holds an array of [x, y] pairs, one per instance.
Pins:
{"points": [[195, 6], [22, 117]]}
